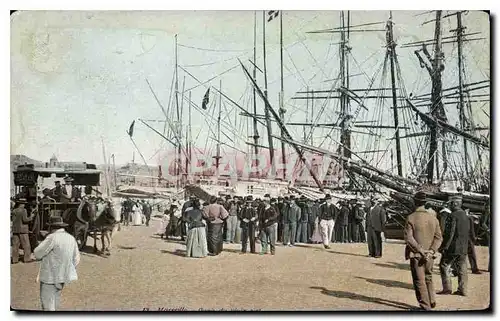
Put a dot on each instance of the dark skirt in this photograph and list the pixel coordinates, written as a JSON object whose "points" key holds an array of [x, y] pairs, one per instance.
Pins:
{"points": [[173, 227], [214, 238]]}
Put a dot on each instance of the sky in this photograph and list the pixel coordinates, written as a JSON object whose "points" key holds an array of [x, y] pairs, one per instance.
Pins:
{"points": [[78, 78]]}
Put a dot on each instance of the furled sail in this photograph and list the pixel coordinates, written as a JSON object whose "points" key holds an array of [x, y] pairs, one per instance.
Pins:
{"points": [[428, 119]]}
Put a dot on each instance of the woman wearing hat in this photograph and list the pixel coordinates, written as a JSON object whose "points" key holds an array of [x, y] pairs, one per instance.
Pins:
{"points": [[60, 256]]}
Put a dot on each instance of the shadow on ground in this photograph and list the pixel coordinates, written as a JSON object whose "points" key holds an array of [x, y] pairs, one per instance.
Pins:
{"points": [[169, 240], [89, 251], [347, 253], [388, 283], [121, 247], [176, 252], [364, 298], [311, 246], [394, 265]]}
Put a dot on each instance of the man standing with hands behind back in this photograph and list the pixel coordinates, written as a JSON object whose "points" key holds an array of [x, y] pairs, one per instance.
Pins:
{"points": [[423, 238]]}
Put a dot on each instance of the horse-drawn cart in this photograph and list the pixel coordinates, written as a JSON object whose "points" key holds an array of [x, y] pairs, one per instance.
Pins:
{"points": [[29, 184]]}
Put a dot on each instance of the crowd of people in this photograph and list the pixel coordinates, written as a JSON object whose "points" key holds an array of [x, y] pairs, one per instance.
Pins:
{"points": [[448, 230], [136, 212], [287, 220]]}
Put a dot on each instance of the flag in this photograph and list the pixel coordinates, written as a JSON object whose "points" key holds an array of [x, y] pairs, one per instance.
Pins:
{"points": [[204, 103], [130, 131], [272, 14]]}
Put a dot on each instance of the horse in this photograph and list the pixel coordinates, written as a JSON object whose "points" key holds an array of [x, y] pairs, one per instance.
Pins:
{"points": [[104, 222], [78, 221]]}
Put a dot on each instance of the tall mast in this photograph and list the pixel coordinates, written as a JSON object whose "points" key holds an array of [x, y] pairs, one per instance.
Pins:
{"points": [[307, 116], [106, 164], [188, 137], [217, 157], [190, 147], [391, 51], [182, 177], [266, 110], [345, 136], [114, 172], [255, 131], [281, 100], [460, 32], [436, 101], [312, 118], [178, 152]]}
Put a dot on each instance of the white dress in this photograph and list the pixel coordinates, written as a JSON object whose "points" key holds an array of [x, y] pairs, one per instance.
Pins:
{"points": [[164, 222], [137, 216]]}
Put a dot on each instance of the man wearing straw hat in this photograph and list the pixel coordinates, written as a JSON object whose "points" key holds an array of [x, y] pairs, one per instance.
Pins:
{"points": [[423, 238], [60, 256], [454, 248], [70, 193]]}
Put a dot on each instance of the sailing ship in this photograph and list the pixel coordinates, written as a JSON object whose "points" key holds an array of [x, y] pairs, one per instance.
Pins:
{"points": [[378, 138]]}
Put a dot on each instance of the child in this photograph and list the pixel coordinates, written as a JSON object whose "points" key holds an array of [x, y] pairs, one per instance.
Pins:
{"points": [[164, 223]]}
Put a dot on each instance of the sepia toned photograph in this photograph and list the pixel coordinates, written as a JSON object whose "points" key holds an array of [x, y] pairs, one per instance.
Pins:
{"points": [[269, 160]]}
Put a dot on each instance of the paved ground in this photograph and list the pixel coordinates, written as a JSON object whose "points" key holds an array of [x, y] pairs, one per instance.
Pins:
{"points": [[147, 272]]}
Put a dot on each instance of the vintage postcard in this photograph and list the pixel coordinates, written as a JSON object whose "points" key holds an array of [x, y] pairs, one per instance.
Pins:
{"points": [[271, 160]]}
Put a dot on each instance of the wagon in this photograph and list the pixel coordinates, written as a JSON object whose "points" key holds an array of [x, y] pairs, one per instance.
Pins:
{"points": [[29, 181]]}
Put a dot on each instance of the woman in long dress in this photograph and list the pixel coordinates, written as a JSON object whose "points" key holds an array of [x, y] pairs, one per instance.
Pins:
{"points": [[214, 214], [137, 219], [196, 244]]}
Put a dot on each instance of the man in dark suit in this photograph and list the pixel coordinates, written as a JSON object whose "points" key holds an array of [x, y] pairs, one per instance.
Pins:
{"points": [[291, 218], [359, 218], [305, 211], [57, 191], [352, 228], [248, 217], [471, 250], [454, 248], [311, 221], [280, 218], [20, 231], [267, 219], [423, 238], [485, 225], [147, 211], [343, 222], [375, 224]]}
